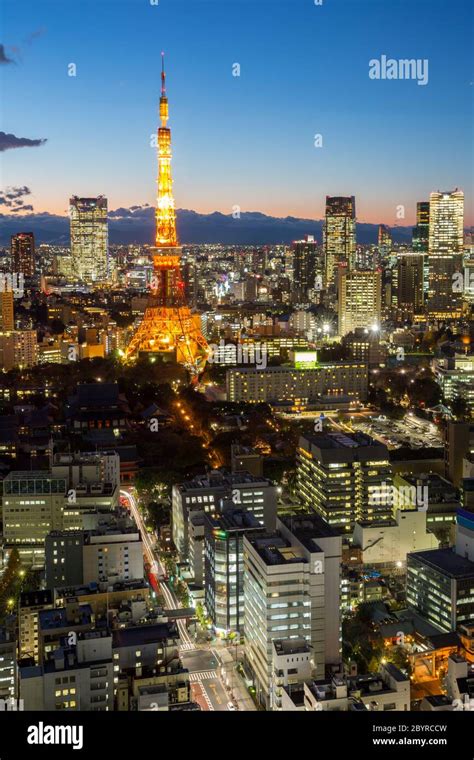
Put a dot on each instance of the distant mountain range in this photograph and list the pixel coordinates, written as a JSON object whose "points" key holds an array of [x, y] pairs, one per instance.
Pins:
{"points": [[136, 225]]}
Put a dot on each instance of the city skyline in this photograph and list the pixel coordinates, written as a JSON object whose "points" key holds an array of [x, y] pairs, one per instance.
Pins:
{"points": [[237, 447], [258, 163]]}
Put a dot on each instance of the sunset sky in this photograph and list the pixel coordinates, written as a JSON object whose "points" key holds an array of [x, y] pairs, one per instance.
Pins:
{"points": [[247, 140]]}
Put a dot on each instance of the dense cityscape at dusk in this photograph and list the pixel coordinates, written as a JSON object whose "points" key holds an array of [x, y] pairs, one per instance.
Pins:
{"points": [[236, 477]]}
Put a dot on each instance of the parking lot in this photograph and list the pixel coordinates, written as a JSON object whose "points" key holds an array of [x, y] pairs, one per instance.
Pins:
{"points": [[410, 431]]}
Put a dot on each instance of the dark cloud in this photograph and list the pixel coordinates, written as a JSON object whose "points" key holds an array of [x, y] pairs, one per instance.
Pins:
{"points": [[10, 193], [3, 56], [134, 213], [22, 208], [12, 197], [9, 142]]}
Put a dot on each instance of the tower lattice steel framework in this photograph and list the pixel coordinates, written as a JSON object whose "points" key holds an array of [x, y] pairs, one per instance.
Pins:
{"points": [[168, 325]]}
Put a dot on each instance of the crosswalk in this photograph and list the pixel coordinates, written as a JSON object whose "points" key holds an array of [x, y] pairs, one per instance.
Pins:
{"points": [[203, 675], [187, 647]]}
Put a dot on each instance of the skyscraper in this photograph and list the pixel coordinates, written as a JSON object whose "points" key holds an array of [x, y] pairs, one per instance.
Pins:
{"points": [[23, 254], [339, 234], [384, 239], [305, 268], [446, 238], [89, 238], [359, 299], [410, 276], [168, 327], [420, 233], [7, 321]]}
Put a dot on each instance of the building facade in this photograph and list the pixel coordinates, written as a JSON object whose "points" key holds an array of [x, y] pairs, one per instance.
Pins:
{"points": [[345, 478], [89, 239], [359, 299], [339, 234]]}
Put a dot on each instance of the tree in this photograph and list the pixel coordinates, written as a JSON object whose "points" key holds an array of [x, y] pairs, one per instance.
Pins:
{"points": [[10, 582], [424, 390], [460, 408], [57, 326]]}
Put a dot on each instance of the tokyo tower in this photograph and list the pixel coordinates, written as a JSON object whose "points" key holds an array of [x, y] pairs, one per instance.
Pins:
{"points": [[168, 328]]}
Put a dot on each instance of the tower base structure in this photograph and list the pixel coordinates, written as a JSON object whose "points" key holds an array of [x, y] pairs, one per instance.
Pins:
{"points": [[174, 331]]}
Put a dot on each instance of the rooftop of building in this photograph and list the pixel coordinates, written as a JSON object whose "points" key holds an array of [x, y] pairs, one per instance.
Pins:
{"points": [[432, 480], [273, 549], [394, 672], [91, 589], [409, 621], [438, 700], [296, 693], [291, 646], [31, 475], [61, 617], [324, 689], [444, 561], [443, 640], [174, 667], [308, 528], [367, 683], [341, 440], [97, 394], [144, 634], [232, 520], [238, 450], [36, 598], [287, 369], [81, 457], [57, 665], [220, 479]]}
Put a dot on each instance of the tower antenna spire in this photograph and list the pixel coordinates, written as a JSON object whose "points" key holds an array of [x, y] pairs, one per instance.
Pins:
{"points": [[163, 85]]}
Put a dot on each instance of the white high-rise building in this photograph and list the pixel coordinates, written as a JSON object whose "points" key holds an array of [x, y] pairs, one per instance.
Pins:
{"points": [[292, 591], [89, 238], [446, 239], [207, 493], [446, 234], [359, 299]]}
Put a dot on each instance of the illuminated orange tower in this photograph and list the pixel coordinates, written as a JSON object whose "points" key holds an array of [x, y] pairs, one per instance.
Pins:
{"points": [[168, 326]]}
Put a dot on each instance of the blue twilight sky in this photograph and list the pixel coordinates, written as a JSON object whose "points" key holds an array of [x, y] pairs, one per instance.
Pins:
{"points": [[247, 140]]}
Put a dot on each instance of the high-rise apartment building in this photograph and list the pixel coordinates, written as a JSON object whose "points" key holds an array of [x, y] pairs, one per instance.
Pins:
{"points": [[18, 348], [446, 240], [292, 591], [339, 234], [307, 270], [23, 254], [345, 478], [410, 284], [7, 320], [89, 238], [359, 299]]}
